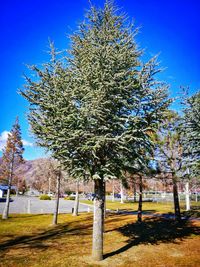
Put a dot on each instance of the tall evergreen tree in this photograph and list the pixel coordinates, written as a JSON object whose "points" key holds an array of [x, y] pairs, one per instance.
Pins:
{"points": [[95, 113], [12, 157], [191, 130]]}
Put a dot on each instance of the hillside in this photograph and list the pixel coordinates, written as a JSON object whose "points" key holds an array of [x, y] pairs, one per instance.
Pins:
{"points": [[39, 174]]}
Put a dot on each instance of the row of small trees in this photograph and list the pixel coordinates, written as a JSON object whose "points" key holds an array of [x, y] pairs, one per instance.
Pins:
{"points": [[101, 112]]}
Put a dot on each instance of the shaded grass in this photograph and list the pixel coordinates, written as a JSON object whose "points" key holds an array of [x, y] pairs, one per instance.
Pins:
{"points": [[31, 240], [155, 231]]}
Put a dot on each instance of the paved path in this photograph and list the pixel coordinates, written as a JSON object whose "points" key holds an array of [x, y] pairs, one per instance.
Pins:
{"points": [[34, 205]]}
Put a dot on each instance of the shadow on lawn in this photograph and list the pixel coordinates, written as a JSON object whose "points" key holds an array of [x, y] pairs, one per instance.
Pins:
{"points": [[194, 212], [130, 211], [154, 231], [38, 240]]}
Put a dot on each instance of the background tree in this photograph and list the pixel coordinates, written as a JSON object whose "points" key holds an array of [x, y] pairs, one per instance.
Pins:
{"points": [[191, 130], [44, 176], [12, 157], [95, 112], [76, 204], [58, 175], [170, 154], [191, 141]]}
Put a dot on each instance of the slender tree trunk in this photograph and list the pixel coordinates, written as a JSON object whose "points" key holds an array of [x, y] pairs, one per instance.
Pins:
{"points": [[49, 184], [187, 196], [104, 212], [97, 246], [113, 192], [55, 215], [76, 203], [122, 193], [17, 190], [176, 200], [29, 206], [196, 196], [7, 206], [139, 217], [134, 191]]}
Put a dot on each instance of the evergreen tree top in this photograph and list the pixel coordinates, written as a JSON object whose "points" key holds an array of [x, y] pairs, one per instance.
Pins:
{"points": [[95, 108]]}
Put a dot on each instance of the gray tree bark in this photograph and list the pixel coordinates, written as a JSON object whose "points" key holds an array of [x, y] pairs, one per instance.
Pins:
{"points": [[98, 221], [196, 195], [187, 196], [104, 212], [7, 206], [113, 191], [122, 193], [134, 191], [176, 200], [139, 215], [76, 204], [55, 215]]}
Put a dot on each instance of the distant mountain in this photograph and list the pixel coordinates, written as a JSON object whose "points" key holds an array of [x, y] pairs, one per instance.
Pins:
{"points": [[32, 170], [39, 174]]}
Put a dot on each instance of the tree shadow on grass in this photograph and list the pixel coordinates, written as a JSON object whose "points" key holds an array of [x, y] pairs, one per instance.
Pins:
{"points": [[40, 240], [194, 212], [155, 231], [130, 211]]}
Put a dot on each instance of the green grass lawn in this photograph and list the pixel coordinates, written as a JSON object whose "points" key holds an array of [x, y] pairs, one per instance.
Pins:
{"points": [[31, 240]]}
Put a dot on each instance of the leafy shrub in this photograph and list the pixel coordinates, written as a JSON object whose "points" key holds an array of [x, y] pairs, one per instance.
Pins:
{"points": [[69, 198], [68, 192], [45, 197]]}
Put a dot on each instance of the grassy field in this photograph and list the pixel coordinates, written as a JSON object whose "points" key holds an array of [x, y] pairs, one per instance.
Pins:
{"points": [[30, 240], [150, 207]]}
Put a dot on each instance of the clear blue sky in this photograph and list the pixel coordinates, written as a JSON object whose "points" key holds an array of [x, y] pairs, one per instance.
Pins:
{"points": [[168, 27]]}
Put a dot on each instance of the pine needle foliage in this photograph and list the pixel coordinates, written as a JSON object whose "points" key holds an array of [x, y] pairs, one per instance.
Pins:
{"points": [[191, 129], [95, 106]]}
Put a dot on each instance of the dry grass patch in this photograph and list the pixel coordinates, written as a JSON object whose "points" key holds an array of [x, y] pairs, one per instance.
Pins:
{"points": [[32, 241], [150, 207]]}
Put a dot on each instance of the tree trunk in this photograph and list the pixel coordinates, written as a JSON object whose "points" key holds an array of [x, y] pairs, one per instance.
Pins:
{"points": [[187, 196], [55, 215], [7, 206], [49, 185], [104, 212], [98, 220], [113, 192], [176, 200], [29, 206], [122, 193], [139, 217], [196, 195], [17, 190], [134, 191], [76, 204]]}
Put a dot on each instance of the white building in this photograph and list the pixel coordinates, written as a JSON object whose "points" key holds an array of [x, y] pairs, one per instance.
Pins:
{"points": [[1, 193]]}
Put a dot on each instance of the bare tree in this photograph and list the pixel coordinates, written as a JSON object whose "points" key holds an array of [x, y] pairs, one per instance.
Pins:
{"points": [[12, 157]]}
